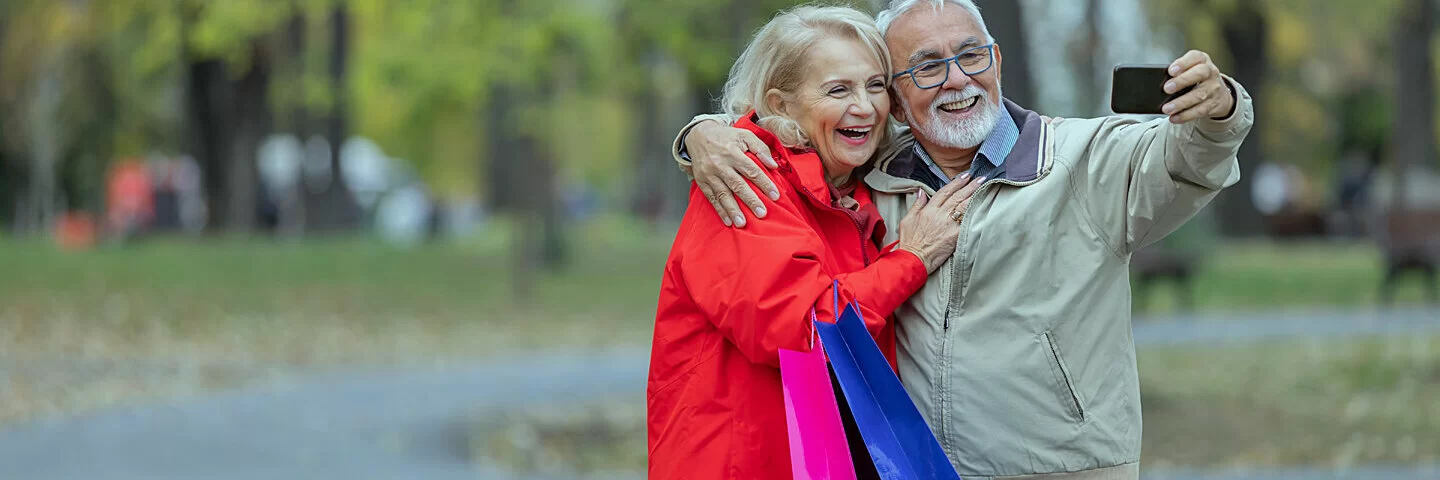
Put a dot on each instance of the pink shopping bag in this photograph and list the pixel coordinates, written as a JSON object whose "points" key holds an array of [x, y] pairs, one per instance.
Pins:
{"points": [[818, 450]]}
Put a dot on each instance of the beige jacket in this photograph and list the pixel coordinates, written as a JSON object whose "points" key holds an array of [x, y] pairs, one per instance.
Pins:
{"points": [[1018, 351]]}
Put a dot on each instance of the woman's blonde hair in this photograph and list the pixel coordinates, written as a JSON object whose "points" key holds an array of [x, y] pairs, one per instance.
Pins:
{"points": [[776, 56]]}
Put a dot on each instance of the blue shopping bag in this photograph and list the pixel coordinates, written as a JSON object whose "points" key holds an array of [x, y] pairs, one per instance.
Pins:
{"points": [[897, 437]]}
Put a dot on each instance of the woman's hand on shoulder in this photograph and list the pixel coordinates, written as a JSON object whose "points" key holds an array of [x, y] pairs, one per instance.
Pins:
{"points": [[720, 166]]}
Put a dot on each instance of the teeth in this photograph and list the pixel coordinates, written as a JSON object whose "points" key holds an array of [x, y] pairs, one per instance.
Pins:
{"points": [[960, 105]]}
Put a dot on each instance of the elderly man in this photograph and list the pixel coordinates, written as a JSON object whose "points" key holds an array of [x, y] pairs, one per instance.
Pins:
{"points": [[1018, 351]]}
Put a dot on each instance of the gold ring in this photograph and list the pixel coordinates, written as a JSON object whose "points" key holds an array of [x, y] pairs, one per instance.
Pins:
{"points": [[956, 215]]}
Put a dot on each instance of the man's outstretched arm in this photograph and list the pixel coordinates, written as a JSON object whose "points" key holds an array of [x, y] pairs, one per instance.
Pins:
{"points": [[715, 155], [1150, 178]]}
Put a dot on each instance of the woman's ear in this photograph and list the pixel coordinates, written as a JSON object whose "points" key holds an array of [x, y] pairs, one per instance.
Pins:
{"points": [[775, 99]]}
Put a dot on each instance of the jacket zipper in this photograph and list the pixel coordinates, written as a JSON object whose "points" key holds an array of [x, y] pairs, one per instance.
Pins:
{"points": [[956, 271], [860, 232], [859, 229]]}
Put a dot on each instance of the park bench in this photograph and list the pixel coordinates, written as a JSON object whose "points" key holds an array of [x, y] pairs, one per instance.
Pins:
{"points": [[1178, 258], [1154, 263], [1409, 240]]}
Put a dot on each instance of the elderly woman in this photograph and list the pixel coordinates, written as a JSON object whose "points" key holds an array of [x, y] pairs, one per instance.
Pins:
{"points": [[812, 85]]}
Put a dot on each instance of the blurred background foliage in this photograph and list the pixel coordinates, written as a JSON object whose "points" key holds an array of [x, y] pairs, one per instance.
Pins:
{"points": [[468, 92]]}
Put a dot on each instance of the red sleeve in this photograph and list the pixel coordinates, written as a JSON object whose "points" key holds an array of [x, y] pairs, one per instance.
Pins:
{"points": [[758, 284]]}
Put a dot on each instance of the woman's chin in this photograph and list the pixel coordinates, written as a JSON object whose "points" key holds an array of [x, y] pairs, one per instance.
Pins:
{"points": [[855, 159]]}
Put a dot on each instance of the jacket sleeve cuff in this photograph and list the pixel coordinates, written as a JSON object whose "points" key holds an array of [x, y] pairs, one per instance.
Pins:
{"points": [[677, 148], [910, 272], [1242, 114]]}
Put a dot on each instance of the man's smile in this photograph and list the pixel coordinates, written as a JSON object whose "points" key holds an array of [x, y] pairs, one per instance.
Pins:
{"points": [[961, 106]]}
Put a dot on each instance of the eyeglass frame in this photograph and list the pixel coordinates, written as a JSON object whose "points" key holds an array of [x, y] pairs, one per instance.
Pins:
{"points": [[946, 62]]}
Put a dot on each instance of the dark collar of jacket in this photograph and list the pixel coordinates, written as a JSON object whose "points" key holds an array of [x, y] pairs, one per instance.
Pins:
{"points": [[1025, 163]]}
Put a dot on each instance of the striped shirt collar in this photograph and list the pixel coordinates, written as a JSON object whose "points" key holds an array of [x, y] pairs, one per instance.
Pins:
{"points": [[993, 149]]}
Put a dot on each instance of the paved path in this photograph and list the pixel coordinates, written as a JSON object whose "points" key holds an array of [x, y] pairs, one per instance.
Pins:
{"points": [[385, 426], [1367, 473], [409, 424], [1244, 328]]}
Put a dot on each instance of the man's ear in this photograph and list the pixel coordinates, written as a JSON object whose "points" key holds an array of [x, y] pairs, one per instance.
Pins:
{"points": [[897, 111], [998, 61], [775, 99]]}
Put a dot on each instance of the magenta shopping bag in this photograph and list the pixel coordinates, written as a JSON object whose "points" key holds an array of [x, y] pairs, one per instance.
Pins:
{"points": [[899, 441], [818, 450]]}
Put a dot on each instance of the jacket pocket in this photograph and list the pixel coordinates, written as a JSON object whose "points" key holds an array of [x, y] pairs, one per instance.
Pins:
{"points": [[1062, 377]]}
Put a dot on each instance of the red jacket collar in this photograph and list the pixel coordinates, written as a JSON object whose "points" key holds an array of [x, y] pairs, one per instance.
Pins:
{"points": [[803, 170], [804, 161]]}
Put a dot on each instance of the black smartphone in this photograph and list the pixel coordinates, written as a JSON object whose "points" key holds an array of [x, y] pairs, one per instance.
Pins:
{"points": [[1140, 89]]}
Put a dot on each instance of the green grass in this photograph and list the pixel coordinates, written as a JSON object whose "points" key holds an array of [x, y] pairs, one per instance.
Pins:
{"points": [[1267, 276], [193, 287], [223, 313], [239, 294], [278, 298], [1293, 403]]}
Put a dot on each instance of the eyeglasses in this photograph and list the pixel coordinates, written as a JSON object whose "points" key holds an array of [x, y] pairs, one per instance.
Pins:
{"points": [[934, 73]]}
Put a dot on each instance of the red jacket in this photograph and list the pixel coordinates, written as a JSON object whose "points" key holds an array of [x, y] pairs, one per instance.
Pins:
{"points": [[732, 297]]}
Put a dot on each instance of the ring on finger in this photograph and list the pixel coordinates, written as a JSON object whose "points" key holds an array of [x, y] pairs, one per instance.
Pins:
{"points": [[956, 215]]}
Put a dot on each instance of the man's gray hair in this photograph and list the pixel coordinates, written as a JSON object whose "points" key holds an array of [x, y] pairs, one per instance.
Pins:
{"points": [[899, 7]]}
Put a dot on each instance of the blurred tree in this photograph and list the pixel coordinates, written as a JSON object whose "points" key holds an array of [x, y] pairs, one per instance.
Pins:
{"points": [[1237, 34], [330, 206], [681, 57], [658, 190], [1414, 91], [252, 122], [1320, 100], [205, 130], [47, 31], [1006, 20], [1245, 31], [89, 112], [9, 174]]}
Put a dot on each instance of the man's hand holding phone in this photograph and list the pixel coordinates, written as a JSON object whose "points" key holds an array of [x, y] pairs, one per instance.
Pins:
{"points": [[1188, 89]]}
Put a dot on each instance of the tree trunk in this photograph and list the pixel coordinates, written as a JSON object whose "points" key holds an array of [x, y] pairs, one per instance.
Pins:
{"points": [[94, 143], [660, 188], [1414, 92], [45, 131], [290, 68], [537, 242], [646, 199], [206, 136], [502, 154], [1085, 52], [1246, 34], [9, 186], [510, 156], [252, 124], [332, 207], [1006, 20]]}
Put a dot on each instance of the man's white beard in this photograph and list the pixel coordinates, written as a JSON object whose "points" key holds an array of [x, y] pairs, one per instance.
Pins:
{"points": [[967, 133]]}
